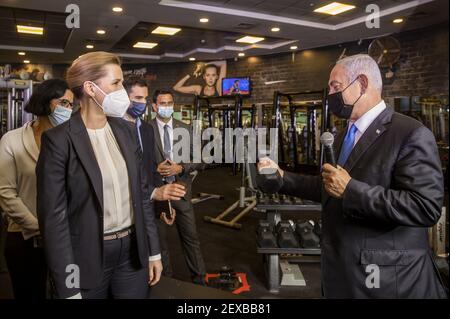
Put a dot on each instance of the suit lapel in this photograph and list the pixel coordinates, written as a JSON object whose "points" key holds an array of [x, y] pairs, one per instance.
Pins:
{"points": [[83, 148], [157, 137], [29, 142], [373, 132]]}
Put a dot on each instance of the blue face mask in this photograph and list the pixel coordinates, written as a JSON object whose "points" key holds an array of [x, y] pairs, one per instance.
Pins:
{"points": [[165, 112], [137, 109], [60, 115]]}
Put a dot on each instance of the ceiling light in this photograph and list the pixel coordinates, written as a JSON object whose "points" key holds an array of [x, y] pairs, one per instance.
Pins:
{"points": [[241, 54], [21, 53], [145, 45], [166, 30], [399, 20], [204, 20], [249, 39], [294, 47], [100, 31], [89, 46], [30, 30], [117, 9], [26, 61], [275, 29], [191, 59], [334, 8]]}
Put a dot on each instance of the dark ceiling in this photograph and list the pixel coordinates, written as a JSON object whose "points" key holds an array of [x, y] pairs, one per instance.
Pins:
{"points": [[228, 19]]}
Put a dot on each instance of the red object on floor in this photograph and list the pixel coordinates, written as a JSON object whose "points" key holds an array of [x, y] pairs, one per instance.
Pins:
{"points": [[242, 276]]}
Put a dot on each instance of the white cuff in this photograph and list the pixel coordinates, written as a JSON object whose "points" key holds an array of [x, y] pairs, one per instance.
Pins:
{"points": [[154, 258], [77, 296], [152, 196]]}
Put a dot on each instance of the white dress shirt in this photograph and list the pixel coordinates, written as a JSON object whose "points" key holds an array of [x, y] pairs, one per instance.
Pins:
{"points": [[161, 125], [364, 121]]}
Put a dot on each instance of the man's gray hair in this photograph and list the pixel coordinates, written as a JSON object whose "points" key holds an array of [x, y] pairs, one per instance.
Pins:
{"points": [[362, 64]]}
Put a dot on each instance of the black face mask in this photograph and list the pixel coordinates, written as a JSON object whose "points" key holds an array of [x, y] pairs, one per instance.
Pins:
{"points": [[338, 106]]}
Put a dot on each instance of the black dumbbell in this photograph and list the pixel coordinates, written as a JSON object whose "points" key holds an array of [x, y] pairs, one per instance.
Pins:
{"points": [[307, 237], [286, 234], [265, 237], [318, 228]]}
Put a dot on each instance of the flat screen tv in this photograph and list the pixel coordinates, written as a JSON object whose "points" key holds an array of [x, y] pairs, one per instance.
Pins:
{"points": [[238, 85]]}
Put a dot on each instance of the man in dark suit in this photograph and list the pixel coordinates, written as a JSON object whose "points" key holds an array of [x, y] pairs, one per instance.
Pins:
{"points": [[382, 197], [137, 90], [163, 128]]}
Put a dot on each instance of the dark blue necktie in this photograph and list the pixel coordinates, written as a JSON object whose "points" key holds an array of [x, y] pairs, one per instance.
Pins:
{"points": [[347, 146]]}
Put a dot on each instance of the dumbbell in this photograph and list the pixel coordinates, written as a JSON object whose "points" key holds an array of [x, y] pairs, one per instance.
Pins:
{"points": [[286, 234], [285, 200], [318, 228], [297, 201], [265, 237], [305, 232]]}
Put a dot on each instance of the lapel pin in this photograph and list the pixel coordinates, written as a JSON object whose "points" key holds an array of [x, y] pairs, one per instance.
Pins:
{"points": [[378, 131]]}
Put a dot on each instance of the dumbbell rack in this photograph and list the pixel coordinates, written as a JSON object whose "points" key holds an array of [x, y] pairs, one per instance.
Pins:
{"points": [[274, 207]]}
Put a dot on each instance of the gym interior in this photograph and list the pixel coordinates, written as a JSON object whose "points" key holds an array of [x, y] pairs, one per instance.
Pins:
{"points": [[226, 65]]}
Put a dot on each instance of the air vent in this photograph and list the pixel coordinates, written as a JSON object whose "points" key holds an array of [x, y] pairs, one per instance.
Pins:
{"points": [[418, 15], [245, 26]]}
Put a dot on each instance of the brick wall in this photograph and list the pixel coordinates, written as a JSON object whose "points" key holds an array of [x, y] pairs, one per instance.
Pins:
{"points": [[422, 69]]}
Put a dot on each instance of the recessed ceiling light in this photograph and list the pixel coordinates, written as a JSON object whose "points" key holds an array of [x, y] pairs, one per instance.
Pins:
{"points": [[204, 20], [166, 30], [250, 39], [26, 61], [89, 46], [275, 29], [294, 47], [241, 54], [117, 9], [399, 20], [334, 8], [21, 53], [30, 30], [191, 59], [101, 31], [145, 45]]}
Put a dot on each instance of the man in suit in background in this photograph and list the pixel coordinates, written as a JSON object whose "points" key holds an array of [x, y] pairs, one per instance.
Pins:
{"points": [[382, 197], [163, 128], [137, 90]]}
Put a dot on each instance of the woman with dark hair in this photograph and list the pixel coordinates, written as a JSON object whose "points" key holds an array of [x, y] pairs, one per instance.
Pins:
{"points": [[52, 104], [212, 73]]}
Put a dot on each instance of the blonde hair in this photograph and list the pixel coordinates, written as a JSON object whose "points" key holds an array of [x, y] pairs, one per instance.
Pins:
{"points": [[88, 67]]}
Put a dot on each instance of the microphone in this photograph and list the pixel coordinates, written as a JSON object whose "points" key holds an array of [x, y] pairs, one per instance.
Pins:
{"points": [[327, 140]]}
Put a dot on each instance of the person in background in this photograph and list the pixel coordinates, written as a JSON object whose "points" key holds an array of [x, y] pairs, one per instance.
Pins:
{"points": [[51, 103], [163, 128], [93, 200], [137, 90]]}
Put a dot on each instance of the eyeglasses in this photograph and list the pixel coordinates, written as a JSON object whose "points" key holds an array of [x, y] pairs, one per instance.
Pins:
{"points": [[65, 103]]}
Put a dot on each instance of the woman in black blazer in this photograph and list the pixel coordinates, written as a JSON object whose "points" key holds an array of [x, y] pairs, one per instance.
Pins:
{"points": [[93, 200]]}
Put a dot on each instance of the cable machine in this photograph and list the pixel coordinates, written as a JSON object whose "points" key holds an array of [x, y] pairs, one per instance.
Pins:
{"points": [[14, 94]]}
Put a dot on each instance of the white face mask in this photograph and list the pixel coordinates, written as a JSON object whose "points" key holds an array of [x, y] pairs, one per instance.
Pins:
{"points": [[114, 104]]}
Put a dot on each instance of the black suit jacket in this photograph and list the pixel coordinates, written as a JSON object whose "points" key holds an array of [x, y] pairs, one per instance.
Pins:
{"points": [[70, 202], [189, 167], [395, 194]]}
